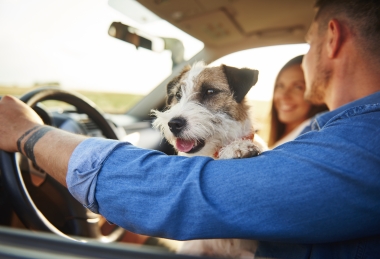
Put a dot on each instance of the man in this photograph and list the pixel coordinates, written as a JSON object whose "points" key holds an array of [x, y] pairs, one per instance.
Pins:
{"points": [[315, 197]]}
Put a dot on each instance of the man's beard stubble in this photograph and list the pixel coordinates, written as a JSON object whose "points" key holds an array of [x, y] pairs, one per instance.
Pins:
{"points": [[316, 92]]}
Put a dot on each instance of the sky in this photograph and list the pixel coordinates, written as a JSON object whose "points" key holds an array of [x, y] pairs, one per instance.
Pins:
{"points": [[67, 41]]}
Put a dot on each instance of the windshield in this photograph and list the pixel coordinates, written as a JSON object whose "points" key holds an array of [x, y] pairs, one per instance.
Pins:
{"points": [[67, 44]]}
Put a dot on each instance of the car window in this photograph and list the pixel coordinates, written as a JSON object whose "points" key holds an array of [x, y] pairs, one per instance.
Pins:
{"points": [[67, 44]]}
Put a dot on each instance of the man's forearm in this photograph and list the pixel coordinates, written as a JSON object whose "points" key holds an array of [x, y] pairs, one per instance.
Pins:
{"points": [[50, 149]]}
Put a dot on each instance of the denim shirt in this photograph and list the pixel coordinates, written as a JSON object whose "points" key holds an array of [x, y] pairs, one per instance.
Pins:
{"points": [[315, 197]]}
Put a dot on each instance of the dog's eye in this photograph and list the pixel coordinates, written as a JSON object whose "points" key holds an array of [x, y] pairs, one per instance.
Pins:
{"points": [[210, 92], [178, 95]]}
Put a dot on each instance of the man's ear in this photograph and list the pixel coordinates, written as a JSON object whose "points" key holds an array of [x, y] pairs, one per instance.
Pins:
{"points": [[335, 36], [240, 80]]}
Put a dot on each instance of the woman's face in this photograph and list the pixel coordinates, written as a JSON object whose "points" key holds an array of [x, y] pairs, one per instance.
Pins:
{"points": [[288, 96]]}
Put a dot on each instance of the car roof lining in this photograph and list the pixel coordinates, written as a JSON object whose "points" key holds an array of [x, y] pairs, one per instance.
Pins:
{"points": [[223, 23]]}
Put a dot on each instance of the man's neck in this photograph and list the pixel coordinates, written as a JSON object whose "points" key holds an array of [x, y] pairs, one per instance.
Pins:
{"points": [[350, 84]]}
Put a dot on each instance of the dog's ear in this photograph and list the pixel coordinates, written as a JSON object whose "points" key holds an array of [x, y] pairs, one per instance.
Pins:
{"points": [[240, 80]]}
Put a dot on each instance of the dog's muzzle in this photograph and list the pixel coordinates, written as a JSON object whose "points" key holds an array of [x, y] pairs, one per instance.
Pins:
{"points": [[176, 126]]}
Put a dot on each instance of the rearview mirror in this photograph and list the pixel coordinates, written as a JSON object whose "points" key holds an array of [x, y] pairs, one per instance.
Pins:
{"points": [[140, 39], [129, 34]]}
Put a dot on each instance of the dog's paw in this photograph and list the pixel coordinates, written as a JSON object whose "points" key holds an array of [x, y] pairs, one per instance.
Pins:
{"points": [[239, 149]]}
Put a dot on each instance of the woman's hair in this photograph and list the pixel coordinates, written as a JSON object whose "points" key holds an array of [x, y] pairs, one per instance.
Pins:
{"points": [[277, 128]]}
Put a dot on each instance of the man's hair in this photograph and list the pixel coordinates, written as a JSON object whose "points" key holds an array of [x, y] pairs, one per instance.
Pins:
{"points": [[361, 16]]}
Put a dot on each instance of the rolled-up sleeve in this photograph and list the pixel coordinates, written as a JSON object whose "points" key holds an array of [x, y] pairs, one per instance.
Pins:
{"points": [[84, 166]]}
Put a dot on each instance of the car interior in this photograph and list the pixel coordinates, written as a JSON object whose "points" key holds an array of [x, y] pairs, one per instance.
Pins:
{"points": [[38, 216]]}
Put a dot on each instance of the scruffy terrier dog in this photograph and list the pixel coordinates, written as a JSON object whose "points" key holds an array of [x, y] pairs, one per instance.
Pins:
{"points": [[207, 116]]}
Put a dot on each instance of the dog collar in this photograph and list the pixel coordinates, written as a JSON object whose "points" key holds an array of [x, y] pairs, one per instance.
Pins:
{"points": [[249, 137]]}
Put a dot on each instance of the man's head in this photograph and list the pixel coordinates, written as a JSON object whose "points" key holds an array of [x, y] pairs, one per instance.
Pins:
{"points": [[357, 20]]}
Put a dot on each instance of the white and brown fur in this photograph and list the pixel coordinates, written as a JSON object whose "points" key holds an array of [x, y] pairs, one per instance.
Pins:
{"points": [[206, 106]]}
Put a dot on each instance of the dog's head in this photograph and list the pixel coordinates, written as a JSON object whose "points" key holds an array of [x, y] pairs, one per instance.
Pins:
{"points": [[206, 108]]}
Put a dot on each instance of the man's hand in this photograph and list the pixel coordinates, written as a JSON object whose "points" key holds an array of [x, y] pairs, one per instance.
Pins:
{"points": [[16, 118], [48, 147]]}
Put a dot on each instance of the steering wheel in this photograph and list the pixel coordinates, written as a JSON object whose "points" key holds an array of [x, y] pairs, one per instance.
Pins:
{"points": [[68, 218]]}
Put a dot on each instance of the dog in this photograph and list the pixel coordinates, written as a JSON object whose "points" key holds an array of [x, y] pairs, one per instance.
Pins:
{"points": [[207, 115]]}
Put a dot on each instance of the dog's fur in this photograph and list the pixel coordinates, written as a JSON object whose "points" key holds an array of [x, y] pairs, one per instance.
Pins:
{"points": [[207, 115]]}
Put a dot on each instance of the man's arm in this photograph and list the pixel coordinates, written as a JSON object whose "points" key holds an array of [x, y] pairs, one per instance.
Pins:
{"points": [[21, 129], [322, 187]]}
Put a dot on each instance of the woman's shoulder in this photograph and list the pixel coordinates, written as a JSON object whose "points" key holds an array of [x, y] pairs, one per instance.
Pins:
{"points": [[293, 134]]}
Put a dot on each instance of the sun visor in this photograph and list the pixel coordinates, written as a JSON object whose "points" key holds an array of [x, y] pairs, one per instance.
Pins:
{"points": [[214, 28]]}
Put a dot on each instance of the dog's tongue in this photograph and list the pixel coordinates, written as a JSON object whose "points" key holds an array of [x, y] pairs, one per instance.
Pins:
{"points": [[184, 145]]}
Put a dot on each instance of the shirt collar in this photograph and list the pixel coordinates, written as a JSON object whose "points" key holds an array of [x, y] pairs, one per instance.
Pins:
{"points": [[322, 118]]}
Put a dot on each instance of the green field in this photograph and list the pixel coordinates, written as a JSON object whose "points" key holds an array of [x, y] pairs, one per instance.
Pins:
{"points": [[107, 102]]}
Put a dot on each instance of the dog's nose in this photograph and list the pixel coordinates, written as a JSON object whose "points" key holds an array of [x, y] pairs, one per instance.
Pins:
{"points": [[176, 125]]}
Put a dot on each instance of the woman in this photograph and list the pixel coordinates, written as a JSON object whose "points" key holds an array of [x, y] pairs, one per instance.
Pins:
{"points": [[290, 113]]}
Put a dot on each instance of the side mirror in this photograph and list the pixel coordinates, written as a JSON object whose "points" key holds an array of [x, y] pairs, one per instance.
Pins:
{"points": [[138, 38]]}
